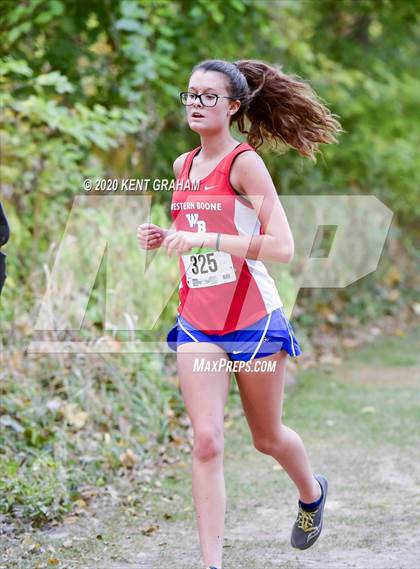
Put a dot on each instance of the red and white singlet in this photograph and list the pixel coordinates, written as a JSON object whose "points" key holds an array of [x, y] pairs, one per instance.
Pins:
{"points": [[219, 292]]}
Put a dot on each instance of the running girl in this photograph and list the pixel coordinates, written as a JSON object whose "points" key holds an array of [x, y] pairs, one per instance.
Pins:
{"points": [[229, 306]]}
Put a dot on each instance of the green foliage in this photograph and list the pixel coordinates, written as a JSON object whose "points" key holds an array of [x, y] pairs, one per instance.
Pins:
{"points": [[37, 492], [67, 427]]}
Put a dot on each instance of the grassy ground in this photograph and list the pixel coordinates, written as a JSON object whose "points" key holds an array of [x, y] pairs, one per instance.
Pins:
{"points": [[360, 424]]}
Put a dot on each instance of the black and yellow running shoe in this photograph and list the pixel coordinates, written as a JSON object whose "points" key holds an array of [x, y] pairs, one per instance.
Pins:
{"points": [[308, 524]]}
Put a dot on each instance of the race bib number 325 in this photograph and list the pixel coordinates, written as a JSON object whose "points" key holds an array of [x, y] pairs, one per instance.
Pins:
{"points": [[208, 269]]}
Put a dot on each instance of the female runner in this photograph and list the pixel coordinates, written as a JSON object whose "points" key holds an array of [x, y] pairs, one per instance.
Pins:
{"points": [[229, 310]]}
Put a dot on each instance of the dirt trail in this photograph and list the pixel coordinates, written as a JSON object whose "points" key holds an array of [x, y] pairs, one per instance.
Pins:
{"points": [[358, 422]]}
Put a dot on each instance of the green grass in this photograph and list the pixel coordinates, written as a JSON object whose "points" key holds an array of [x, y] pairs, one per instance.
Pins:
{"points": [[392, 351]]}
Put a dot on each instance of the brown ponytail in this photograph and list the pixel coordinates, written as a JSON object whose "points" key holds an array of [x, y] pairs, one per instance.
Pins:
{"points": [[279, 107]]}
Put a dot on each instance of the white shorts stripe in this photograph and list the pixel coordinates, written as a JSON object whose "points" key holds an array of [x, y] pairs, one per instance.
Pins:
{"points": [[186, 331], [291, 339], [262, 337]]}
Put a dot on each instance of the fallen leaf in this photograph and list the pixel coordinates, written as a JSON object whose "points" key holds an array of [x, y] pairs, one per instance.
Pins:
{"points": [[27, 540], [150, 529], [74, 415], [393, 295], [392, 277], [348, 342], [330, 358], [70, 519], [368, 409], [128, 458], [416, 308], [178, 441]]}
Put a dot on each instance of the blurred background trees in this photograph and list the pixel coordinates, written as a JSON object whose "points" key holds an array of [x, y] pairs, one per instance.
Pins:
{"points": [[91, 89]]}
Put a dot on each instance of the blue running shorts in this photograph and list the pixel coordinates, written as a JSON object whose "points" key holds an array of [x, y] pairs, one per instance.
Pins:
{"points": [[262, 338]]}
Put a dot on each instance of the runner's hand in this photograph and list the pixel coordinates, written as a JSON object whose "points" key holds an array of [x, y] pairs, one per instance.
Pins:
{"points": [[151, 236], [180, 242]]}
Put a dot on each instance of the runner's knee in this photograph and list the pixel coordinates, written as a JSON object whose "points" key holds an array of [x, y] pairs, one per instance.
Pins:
{"points": [[208, 443], [270, 443]]}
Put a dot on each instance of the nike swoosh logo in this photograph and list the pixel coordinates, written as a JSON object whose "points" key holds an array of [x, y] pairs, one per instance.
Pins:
{"points": [[237, 351], [209, 187]]}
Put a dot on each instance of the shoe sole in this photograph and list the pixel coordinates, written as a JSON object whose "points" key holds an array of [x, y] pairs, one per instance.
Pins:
{"points": [[324, 483]]}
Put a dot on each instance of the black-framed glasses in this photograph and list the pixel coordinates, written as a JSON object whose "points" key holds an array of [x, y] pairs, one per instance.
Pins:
{"points": [[206, 99]]}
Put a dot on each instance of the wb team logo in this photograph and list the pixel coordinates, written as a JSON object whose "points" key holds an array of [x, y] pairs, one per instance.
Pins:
{"points": [[195, 222]]}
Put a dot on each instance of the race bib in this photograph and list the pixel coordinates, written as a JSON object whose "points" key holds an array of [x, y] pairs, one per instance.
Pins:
{"points": [[208, 268]]}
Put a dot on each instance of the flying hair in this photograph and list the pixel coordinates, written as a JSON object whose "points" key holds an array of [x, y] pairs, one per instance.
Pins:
{"points": [[276, 107]]}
